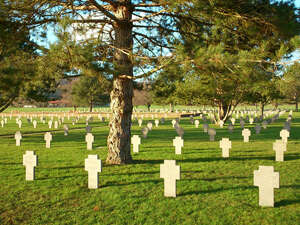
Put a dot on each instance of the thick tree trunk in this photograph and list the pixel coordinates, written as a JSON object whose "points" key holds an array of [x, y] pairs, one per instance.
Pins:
{"points": [[118, 141]]}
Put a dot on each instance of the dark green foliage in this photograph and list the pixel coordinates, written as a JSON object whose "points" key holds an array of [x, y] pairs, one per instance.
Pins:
{"points": [[90, 91], [235, 50]]}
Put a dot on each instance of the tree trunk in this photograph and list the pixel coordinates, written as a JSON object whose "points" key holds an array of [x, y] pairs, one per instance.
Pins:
{"points": [[296, 103], [91, 106], [6, 104], [118, 141], [262, 110], [224, 111]]}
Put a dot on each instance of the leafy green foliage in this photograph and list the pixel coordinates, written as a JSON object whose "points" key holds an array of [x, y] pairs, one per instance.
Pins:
{"points": [[90, 91]]}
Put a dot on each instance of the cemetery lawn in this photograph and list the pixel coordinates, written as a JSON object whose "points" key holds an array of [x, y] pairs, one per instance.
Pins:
{"points": [[211, 190]]}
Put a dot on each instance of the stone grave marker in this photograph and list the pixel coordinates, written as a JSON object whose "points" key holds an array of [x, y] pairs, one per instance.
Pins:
{"points": [[246, 134], [266, 180], [279, 146], [197, 123], [145, 131], [50, 124], [66, 130], [173, 123], [264, 124], [30, 161], [149, 126], [20, 124], [18, 137], [170, 172], [257, 128], [55, 124], [251, 120], [135, 141], [140, 121], [192, 119], [221, 123], [89, 139], [88, 129], [180, 131], [230, 128], [205, 127], [284, 134], [93, 165], [242, 123], [225, 145], [178, 144], [48, 139], [232, 121], [287, 126], [212, 134], [2, 123], [34, 123], [162, 120], [156, 122]]}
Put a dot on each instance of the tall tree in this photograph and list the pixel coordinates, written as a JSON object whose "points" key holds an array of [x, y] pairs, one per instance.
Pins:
{"points": [[235, 51], [290, 84], [89, 91], [134, 35]]}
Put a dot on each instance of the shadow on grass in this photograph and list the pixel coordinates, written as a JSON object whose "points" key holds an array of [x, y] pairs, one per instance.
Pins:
{"points": [[287, 202], [111, 184], [224, 159], [140, 161], [59, 178], [217, 178], [215, 190]]}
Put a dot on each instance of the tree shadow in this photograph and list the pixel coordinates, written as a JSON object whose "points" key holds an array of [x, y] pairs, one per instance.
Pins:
{"points": [[286, 202], [215, 190], [59, 178], [111, 184], [141, 161]]}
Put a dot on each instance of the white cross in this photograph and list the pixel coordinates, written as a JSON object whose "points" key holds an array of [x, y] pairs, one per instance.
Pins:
{"points": [[232, 121], [18, 137], [140, 121], [173, 123], [30, 161], [246, 134], [136, 141], [279, 146], [170, 173], [149, 125], [197, 123], [50, 124], [266, 180], [93, 165], [48, 139], [156, 122], [221, 123], [20, 123], [225, 144], [34, 123], [251, 120], [89, 139], [284, 134], [178, 144], [2, 123], [55, 124]]}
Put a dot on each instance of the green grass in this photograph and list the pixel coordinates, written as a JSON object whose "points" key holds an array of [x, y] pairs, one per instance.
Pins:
{"points": [[212, 190]]}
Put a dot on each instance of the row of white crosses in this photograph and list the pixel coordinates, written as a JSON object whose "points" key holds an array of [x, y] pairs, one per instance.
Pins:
{"points": [[265, 178], [92, 165]]}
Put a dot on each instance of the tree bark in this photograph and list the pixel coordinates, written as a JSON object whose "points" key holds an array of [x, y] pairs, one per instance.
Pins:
{"points": [[91, 106], [6, 104], [296, 105], [262, 110], [224, 111], [118, 141]]}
